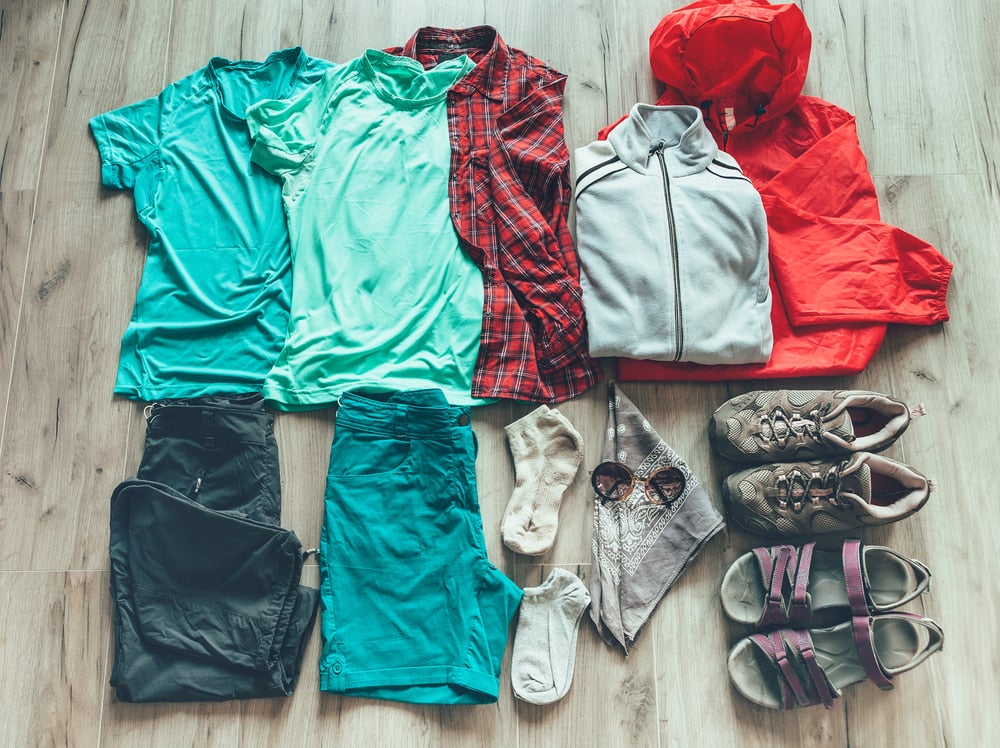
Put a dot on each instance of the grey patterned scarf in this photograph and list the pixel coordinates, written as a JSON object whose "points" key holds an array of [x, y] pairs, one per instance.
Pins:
{"points": [[640, 548]]}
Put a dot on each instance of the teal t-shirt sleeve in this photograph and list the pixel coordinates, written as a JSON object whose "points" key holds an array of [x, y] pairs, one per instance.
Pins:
{"points": [[126, 138], [282, 133]]}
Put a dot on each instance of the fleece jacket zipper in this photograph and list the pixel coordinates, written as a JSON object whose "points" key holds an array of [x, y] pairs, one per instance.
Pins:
{"points": [[678, 322]]}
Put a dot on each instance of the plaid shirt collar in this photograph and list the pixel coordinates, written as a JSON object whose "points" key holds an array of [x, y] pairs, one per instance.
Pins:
{"points": [[489, 76]]}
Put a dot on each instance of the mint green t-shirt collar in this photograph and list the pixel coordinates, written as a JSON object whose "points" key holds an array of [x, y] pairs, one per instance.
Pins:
{"points": [[404, 83], [293, 58]]}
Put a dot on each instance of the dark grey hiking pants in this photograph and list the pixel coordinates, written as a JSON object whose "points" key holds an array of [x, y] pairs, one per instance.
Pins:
{"points": [[205, 584]]}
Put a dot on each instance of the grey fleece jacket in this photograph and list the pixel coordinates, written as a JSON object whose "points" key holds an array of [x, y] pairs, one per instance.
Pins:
{"points": [[673, 244]]}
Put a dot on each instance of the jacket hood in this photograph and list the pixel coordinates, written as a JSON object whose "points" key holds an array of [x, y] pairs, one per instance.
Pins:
{"points": [[741, 61]]}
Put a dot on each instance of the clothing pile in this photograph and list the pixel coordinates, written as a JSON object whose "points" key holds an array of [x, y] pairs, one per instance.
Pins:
{"points": [[416, 201], [734, 69], [390, 236]]}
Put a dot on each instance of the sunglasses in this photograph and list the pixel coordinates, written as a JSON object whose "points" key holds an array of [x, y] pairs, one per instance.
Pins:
{"points": [[614, 481]]}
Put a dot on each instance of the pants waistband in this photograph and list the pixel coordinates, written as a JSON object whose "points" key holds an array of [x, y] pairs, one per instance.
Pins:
{"points": [[403, 413], [214, 420]]}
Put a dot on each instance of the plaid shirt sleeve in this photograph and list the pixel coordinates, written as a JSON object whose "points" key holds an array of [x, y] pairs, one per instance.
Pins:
{"points": [[537, 256], [531, 133]]}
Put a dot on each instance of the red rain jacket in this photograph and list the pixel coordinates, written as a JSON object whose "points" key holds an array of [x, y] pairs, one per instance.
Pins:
{"points": [[838, 273]]}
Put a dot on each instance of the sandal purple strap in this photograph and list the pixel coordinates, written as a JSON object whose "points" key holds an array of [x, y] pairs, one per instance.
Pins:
{"points": [[784, 567], [854, 578], [792, 690], [791, 651], [866, 651], [821, 687], [798, 611], [860, 612], [774, 565]]}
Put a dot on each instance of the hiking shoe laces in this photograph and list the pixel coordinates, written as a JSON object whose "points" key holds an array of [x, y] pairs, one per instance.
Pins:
{"points": [[794, 489], [781, 427], [813, 497], [788, 425]]}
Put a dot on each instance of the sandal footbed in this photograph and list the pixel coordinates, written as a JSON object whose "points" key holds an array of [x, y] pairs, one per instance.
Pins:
{"points": [[898, 642], [890, 580]]}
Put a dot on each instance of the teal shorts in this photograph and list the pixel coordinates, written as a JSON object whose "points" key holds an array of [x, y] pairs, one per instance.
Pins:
{"points": [[412, 609]]}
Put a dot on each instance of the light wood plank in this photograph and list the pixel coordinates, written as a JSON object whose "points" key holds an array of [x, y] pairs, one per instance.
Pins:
{"points": [[303, 452], [829, 74], [342, 31], [234, 29], [63, 448], [15, 216], [55, 628], [29, 34], [912, 117], [626, 55], [202, 724], [978, 26]]}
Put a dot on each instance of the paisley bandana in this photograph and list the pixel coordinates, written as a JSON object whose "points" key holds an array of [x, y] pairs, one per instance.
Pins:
{"points": [[639, 547]]}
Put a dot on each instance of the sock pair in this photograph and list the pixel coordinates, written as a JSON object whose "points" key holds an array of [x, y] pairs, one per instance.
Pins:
{"points": [[547, 451], [545, 639]]}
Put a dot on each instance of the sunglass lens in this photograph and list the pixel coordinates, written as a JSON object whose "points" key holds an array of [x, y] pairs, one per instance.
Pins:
{"points": [[612, 481], [667, 484]]}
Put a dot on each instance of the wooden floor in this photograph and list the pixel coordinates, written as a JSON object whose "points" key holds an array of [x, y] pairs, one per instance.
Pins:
{"points": [[922, 78]]}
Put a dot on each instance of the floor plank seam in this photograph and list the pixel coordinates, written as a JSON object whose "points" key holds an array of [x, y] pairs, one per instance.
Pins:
{"points": [[166, 48], [656, 696]]}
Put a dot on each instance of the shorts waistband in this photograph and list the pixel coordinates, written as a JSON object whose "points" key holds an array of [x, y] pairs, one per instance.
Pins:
{"points": [[215, 420], [403, 413]]}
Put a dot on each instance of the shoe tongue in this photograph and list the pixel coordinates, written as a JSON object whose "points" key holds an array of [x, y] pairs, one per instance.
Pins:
{"points": [[857, 479], [841, 426]]}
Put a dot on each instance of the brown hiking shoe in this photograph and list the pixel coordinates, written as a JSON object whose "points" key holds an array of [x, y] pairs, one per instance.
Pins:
{"points": [[807, 498], [787, 425]]}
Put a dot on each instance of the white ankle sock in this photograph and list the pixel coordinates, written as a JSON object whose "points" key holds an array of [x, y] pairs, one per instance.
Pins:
{"points": [[547, 451], [545, 639]]}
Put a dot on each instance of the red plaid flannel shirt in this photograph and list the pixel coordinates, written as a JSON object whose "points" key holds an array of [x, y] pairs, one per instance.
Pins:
{"points": [[509, 195]]}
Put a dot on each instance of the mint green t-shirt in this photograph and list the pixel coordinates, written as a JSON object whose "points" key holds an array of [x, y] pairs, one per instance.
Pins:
{"points": [[383, 295], [211, 312]]}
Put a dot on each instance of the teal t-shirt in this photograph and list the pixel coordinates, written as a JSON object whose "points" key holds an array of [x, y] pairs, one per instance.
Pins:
{"points": [[212, 308], [384, 296]]}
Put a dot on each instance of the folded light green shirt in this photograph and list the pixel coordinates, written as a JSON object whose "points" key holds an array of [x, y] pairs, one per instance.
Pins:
{"points": [[383, 295]]}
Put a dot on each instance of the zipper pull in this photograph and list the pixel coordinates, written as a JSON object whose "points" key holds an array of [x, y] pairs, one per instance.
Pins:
{"points": [[197, 484], [658, 148]]}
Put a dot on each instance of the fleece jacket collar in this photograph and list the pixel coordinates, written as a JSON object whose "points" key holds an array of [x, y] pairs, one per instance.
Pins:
{"points": [[688, 146]]}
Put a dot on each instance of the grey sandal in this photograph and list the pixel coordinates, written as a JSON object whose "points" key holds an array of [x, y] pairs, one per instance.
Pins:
{"points": [[801, 586], [789, 668]]}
